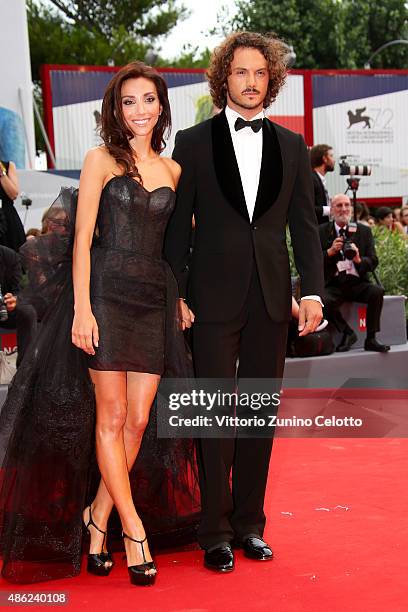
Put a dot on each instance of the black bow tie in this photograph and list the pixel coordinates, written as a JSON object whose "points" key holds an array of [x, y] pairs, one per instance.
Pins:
{"points": [[255, 125]]}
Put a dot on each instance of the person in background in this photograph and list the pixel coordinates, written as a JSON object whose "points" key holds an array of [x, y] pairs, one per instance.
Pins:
{"points": [[404, 219], [322, 161], [12, 231], [397, 214], [386, 219], [345, 275], [33, 232], [21, 317], [362, 213], [44, 222]]}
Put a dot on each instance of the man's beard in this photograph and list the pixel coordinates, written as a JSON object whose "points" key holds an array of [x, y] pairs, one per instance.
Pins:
{"points": [[247, 106], [329, 168], [343, 220]]}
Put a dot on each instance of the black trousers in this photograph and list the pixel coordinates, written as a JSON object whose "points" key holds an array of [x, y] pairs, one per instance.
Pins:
{"points": [[24, 320], [260, 346], [354, 290]]}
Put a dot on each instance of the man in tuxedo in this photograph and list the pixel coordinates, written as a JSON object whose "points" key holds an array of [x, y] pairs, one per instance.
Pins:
{"points": [[345, 270], [322, 161], [243, 177]]}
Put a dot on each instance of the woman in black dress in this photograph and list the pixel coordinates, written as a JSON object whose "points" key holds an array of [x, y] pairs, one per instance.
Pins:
{"points": [[126, 333], [11, 228], [119, 322]]}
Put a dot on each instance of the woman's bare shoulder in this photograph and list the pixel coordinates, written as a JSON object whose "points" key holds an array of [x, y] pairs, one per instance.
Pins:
{"points": [[99, 153], [98, 160]]}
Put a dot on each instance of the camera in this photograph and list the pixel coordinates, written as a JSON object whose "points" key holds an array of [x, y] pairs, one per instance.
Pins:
{"points": [[347, 170], [25, 200], [3, 309], [348, 250]]}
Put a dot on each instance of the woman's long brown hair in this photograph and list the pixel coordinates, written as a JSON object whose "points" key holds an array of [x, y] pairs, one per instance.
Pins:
{"points": [[114, 131]]}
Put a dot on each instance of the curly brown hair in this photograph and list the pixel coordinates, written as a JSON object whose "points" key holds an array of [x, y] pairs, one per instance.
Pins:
{"points": [[114, 131], [272, 48]]}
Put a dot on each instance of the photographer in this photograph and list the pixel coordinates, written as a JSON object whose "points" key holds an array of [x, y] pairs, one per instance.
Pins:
{"points": [[12, 232], [21, 317], [349, 254]]}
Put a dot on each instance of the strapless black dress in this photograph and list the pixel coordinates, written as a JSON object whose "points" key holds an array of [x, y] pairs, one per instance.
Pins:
{"points": [[47, 424], [129, 276]]}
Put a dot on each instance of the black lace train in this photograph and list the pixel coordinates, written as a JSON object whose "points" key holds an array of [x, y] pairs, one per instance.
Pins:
{"points": [[47, 428]]}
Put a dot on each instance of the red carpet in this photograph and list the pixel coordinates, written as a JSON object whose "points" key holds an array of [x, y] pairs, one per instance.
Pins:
{"points": [[337, 512]]}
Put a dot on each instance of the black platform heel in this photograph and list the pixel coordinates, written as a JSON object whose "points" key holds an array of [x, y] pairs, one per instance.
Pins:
{"points": [[137, 573], [96, 561]]}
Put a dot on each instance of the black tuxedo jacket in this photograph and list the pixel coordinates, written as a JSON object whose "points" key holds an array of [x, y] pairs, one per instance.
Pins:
{"points": [[362, 238], [216, 279], [319, 197]]}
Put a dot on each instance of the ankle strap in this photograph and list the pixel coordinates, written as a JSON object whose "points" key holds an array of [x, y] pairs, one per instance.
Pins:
{"points": [[125, 535], [91, 522], [141, 542]]}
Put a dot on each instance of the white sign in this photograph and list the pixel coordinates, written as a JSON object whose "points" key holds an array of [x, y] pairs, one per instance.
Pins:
{"points": [[374, 131]]}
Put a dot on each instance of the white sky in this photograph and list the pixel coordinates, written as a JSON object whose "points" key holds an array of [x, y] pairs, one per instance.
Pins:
{"points": [[194, 30]]}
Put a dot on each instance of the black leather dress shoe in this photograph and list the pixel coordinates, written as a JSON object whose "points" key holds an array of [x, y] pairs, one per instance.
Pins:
{"points": [[373, 345], [219, 559], [347, 342], [255, 548]]}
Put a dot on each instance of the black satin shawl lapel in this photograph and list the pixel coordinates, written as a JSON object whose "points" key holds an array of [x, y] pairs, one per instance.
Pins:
{"points": [[225, 164], [271, 174]]}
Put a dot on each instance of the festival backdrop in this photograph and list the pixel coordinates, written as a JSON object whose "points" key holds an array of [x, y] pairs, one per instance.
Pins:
{"points": [[73, 99], [359, 113], [364, 116]]}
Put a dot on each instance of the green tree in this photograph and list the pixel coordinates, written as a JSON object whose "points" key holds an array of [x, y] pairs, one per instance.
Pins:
{"points": [[57, 38], [95, 32], [392, 253], [330, 33], [389, 21], [141, 18], [190, 57], [54, 41]]}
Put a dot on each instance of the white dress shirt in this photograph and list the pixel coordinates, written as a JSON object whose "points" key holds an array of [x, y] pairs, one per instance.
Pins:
{"points": [[326, 209], [248, 152]]}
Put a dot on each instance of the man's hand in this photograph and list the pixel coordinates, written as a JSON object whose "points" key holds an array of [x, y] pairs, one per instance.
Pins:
{"points": [[335, 247], [186, 315], [356, 258], [310, 316], [11, 302]]}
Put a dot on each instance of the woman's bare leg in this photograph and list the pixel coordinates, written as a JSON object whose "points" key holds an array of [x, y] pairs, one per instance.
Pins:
{"points": [[111, 410], [140, 392]]}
